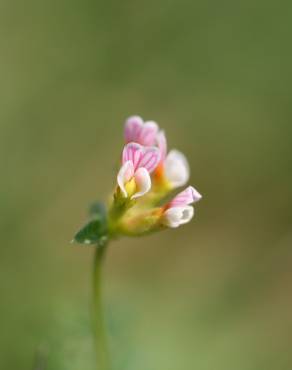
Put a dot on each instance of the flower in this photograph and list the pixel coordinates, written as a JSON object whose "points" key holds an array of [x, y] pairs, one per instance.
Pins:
{"points": [[138, 131], [134, 176], [174, 168], [175, 213], [150, 172], [179, 211]]}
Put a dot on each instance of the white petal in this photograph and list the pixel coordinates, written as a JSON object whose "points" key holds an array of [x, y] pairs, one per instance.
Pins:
{"points": [[177, 169], [176, 216], [143, 182], [187, 214], [125, 174]]}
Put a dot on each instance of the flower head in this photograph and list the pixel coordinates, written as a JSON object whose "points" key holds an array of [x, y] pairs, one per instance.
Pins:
{"points": [[150, 172], [138, 163]]}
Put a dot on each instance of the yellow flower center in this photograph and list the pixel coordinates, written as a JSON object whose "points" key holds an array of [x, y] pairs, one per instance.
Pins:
{"points": [[131, 187]]}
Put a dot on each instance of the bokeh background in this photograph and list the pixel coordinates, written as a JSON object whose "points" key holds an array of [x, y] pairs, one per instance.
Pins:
{"points": [[213, 295]]}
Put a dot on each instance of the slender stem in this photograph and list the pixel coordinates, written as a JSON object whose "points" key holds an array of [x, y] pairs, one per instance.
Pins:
{"points": [[41, 356], [102, 352]]}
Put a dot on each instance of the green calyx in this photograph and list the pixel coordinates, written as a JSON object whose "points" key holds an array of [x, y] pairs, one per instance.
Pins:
{"points": [[125, 216]]}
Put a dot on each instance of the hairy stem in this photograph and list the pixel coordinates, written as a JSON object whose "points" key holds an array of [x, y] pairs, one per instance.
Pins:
{"points": [[102, 351]]}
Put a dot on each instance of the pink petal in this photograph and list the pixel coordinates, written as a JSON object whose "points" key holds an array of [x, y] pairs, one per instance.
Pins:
{"points": [[188, 196], [162, 144], [150, 159], [137, 131], [133, 129], [148, 134], [133, 152], [141, 157]]}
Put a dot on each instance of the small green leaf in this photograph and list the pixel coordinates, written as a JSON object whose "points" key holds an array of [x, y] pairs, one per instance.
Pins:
{"points": [[95, 231]]}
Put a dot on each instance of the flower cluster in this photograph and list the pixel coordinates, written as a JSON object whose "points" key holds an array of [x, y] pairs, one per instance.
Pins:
{"points": [[150, 172], [145, 181]]}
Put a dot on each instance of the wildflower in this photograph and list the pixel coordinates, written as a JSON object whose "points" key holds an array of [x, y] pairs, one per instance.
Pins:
{"points": [[138, 163], [147, 174], [179, 211]]}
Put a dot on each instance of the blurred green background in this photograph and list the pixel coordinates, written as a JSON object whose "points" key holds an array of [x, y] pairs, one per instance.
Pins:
{"points": [[213, 295]]}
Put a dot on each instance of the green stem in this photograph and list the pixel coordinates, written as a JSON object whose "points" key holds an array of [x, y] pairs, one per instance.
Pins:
{"points": [[102, 351]]}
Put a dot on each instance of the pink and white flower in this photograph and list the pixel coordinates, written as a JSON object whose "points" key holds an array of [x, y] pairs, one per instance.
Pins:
{"points": [[174, 165], [179, 211], [138, 163], [138, 131]]}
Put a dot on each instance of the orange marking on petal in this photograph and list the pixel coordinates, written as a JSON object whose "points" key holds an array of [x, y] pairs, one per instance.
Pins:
{"points": [[159, 172]]}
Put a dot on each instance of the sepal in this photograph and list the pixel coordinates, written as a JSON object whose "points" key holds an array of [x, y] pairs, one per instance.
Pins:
{"points": [[141, 224]]}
